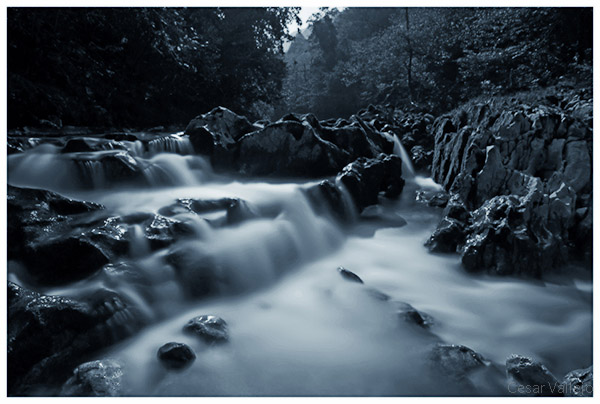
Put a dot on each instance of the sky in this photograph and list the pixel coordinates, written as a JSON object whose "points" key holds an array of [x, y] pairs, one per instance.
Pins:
{"points": [[305, 14]]}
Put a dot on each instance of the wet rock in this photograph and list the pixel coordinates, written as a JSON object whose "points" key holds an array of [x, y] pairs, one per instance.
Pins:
{"points": [[48, 335], [289, 148], [518, 173], [162, 231], [377, 294], [456, 361], [209, 328], [448, 235], [78, 145], [349, 275], [108, 169], [437, 199], [216, 134], [529, 377], [41, 234], [366, 178], [409, 314], [101, 378], [175, 355], [579, 383]]}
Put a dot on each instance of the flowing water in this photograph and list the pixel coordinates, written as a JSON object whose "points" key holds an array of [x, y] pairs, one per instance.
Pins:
{"points": [[296, 326]]}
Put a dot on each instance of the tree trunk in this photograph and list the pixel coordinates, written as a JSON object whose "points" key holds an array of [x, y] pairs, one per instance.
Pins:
{"points": [[410, 56]]}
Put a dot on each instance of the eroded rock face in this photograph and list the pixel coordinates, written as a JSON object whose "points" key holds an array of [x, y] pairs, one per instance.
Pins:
{"points": [[522, 177], [456, 361], [47, 335]]}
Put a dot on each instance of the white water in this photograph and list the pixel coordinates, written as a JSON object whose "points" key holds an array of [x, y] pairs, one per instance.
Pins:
{"points": [[297, 327]]}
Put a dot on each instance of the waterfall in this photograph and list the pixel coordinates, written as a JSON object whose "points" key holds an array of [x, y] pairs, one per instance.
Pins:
{"points": [[401, 152], [175, 143]]}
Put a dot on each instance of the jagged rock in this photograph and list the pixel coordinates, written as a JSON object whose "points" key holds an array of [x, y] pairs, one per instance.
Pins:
{"points": [[48, 335], [175, 355], [349, 275], [530, 378], [101, 378], [438, 199], [216, 134], [289, 148], [519, 174], [579, 383], [40, 234], [366, 178], [107, 169], [209, 328]]}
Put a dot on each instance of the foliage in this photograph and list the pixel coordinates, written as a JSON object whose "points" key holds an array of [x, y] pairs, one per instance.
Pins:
{"points": [[434, 58], [141, 66]]}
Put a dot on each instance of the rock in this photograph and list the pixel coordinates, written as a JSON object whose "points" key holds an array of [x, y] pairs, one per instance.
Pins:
{"points": [[240, 210], [107, 169], [516, 174], [349, 276], [448, 235], [48, 335], [79, 145], [216, 134], [209, 328], [101, 378], [289, 148], [579, 383], [437, 199], [41, 230], [366, 178], [455, 361], [162, 231], [528, 377], [175, 355], [408, 313]]}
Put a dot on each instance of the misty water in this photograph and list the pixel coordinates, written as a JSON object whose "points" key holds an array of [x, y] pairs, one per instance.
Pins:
{"points": [[296, 326]]}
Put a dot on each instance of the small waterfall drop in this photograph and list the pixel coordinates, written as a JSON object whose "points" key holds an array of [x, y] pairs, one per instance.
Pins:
{"points": [[401, 152]]}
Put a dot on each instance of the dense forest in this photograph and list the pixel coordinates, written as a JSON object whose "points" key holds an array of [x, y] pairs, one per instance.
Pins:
{"points": [[144, 67]]}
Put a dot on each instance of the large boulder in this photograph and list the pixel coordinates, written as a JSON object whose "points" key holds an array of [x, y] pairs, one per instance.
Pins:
{"points": [[289, 148], [530, 378], [48, 335], [523, 176], [216, 134]]}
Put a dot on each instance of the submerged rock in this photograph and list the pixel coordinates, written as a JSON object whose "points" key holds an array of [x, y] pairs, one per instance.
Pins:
{"points": [[456, 361], [175, 355], [209, 328], [48, 335], [101, 378], [408, 313], [531, 378], [579, 383], [349, 275]]}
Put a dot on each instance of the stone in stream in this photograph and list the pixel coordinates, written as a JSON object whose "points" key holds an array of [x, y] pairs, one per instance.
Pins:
{"points": [[349, 276], [579, 383], [408, 313], [48, 335], [175, 355], [209, 328], [101, 378], [366, 178], [455, 361], [528, 377]]}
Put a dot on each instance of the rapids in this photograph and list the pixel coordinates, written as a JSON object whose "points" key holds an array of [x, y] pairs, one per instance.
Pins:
{"points": [[296, 326]]}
